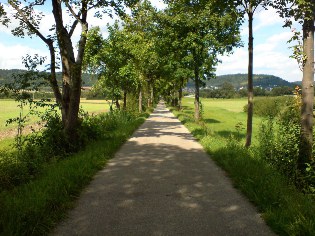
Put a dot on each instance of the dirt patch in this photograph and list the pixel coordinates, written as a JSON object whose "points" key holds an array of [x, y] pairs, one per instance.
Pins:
{"points": [[11, 133]]}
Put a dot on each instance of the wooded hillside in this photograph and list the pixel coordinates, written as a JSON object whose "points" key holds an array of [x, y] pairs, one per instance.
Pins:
{"points": [[7, 76], [240, 80]]}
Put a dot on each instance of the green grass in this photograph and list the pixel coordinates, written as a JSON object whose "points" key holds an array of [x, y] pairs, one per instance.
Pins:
{"points": [[36, 207], [220, 119], [9, 110], [284, 208]]}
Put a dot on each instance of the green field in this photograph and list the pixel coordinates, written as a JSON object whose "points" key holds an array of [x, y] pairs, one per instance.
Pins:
{"points": [[221, 116], [284, 208], [9, 110]]}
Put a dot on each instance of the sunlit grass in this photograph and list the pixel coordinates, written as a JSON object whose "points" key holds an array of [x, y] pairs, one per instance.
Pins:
{"points": [[286, 210], [9, 109], [221, 117]]}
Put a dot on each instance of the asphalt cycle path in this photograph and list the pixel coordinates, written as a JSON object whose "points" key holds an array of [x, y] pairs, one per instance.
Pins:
{"points": [[162, 182]]}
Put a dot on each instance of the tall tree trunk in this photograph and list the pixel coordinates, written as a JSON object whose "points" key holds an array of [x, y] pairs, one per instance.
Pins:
{"points": [[152, 94], [140, 100], [180, 94], [250, 79], [71, 70], [174, 95], [306, 141], [125, 101], [197, 102], [117, 104]]}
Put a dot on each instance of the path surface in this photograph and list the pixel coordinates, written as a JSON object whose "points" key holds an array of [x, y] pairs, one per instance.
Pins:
{"points": [[161, 182]]}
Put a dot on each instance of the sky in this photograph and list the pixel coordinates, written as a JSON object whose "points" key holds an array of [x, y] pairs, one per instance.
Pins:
{"points": [[271, 52]]}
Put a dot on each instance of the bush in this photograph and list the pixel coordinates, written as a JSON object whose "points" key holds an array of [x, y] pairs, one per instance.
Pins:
{"points": [[270, 106], [279, 139], [50, 143]]}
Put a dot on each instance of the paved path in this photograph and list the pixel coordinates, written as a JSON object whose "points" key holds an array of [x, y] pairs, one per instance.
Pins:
{"points": [[161, 182]]}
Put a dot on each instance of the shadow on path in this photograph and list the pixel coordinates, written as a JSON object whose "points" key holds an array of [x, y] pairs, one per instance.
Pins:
{"points": [[161, 182]]}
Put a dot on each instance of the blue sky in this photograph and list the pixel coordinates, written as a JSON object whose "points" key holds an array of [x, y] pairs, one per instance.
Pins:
{"points": [[271, 52]]}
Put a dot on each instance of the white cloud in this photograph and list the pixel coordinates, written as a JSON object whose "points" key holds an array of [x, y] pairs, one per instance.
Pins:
{"points": [[266, 61], [11, 56], [271, 52], [264, 18]]}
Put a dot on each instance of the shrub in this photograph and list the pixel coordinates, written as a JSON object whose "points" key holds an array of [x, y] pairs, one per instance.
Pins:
{"points": [[279, 139], [270, 106]]}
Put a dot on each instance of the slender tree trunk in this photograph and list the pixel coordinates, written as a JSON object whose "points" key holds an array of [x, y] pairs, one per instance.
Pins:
{"points": [[140, 100], [125, 101], [174, 95], [250, 79], [306, 141], [117, 104], [197, 103], [152, 94], [180, 94]]}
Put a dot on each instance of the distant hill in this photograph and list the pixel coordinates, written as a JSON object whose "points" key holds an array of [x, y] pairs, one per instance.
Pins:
{"points": [[6, 76], [240, 80]]}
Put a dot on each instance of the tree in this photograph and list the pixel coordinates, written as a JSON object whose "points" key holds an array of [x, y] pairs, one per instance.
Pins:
{"points": [[29, 16], [202, 30], [249, 7], [110, 59], [141, 27], [303, 11]]}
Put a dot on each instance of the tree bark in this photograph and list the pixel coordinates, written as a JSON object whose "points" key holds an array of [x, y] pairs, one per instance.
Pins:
{"points": [[180, 94], [125, 101], [250, 88], [117, 104], [197, 102], [71, 70], [306, 141], [140, 101], [152, 94]]}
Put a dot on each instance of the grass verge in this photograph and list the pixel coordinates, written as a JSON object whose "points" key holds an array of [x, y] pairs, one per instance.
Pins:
{"points": [[35, 208], [283, 207]]}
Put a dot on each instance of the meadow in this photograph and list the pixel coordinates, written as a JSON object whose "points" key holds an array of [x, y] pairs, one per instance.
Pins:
{"points": [[10, 109], [222, 119]]}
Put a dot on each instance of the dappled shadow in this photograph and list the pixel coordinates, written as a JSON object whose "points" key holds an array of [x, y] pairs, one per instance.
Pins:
{"points": [[161, 182], [199, 132], [211, 121], [228, 133]]}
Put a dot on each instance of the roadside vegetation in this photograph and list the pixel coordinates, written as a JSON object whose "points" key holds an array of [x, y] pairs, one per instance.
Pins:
{"points": [[46, 186], [267, 172]]}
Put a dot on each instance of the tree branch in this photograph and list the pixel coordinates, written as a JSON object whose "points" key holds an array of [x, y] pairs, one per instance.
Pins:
{"points": [[28, 23]]}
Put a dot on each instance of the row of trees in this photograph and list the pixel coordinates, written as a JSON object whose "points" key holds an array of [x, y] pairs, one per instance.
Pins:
{"points": [[227, 90], [151, 53]]}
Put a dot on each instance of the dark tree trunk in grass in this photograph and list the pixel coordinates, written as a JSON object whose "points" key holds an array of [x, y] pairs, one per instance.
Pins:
{"points": [[250, 79], [125, 101], [197, 103], [306, 141], [117, 104]]}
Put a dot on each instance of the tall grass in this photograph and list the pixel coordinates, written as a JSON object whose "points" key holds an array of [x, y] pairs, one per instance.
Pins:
{"points": [[286, 210], [35, 207]]}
